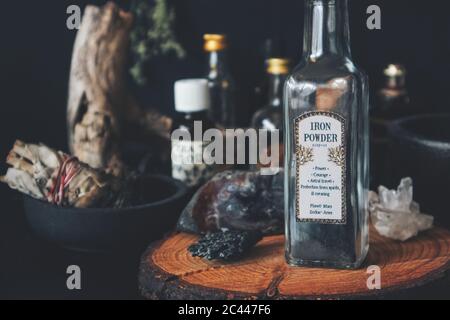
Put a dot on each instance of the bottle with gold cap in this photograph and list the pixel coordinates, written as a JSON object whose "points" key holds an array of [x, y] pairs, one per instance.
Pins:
{"points": [[392, 102], [270, 116], [393, 98], [221, 85], [269, 49]]}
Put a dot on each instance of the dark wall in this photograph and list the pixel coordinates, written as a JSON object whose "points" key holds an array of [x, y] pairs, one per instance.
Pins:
{"points": [[36, 49]]}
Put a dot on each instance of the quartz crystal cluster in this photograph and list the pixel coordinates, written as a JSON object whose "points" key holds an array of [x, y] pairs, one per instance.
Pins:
{"points": [[394, 213]]}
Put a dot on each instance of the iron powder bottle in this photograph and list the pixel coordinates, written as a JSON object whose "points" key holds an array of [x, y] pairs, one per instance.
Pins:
{"points": [[326, 146]]}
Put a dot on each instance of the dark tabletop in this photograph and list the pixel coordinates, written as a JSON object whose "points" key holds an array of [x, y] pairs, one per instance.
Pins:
{"points": [[31, 268]]}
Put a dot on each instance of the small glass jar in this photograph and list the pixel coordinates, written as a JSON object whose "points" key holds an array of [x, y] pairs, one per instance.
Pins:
{"points": [[192, 102]]}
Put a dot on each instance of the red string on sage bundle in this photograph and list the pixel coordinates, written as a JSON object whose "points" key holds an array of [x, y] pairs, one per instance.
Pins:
{"points": [[67, 171]]}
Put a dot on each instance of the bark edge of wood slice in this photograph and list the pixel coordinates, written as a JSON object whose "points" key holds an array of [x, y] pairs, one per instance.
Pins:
{"points": [[168, 271]]}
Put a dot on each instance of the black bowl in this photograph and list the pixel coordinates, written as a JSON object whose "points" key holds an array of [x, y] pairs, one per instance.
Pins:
{"points": [[108, 230], [420, 149]]}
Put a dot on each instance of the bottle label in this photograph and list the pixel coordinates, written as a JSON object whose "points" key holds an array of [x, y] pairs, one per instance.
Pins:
{"points": [[188, 164], [320, 168]]}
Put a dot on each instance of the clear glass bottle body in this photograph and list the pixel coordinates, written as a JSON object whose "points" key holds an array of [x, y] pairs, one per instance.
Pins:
{"points": [[270, 117], [222, 89], [391, 103], [326, 202]]}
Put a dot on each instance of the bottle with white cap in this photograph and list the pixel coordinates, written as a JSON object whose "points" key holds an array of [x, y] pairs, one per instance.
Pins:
{"points": [[192, 103]]}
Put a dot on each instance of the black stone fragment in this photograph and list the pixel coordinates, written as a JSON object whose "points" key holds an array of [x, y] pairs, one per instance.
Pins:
{"points": [[225, 245], [236, 200]]}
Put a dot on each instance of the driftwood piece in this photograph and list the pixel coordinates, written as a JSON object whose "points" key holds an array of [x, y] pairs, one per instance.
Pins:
{"points": [[97, 89], [100, 108], [168, 271]]}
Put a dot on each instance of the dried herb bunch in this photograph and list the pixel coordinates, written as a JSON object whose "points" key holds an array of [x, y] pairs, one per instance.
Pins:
{"points": [[152, 35], [54, 176]]}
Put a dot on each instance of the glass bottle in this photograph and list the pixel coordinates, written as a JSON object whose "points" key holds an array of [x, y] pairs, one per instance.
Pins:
{"points": [[393, 99], [392, 102], [223, 110], [192, 102], [270, 116], [326, 146], [260, 94]]}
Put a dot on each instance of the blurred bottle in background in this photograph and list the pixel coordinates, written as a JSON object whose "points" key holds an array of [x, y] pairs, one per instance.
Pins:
{"points": [[260, 91], [221, 85], [392, 102], [192, 102], [393, 98], [270, 115]]}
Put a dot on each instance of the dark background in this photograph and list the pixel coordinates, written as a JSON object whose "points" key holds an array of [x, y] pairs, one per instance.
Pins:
{"points": [[36, 51], [34, 70]]}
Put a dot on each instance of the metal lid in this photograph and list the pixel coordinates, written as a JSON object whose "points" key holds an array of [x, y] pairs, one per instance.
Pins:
{"points": [[277, 66], [395, 70], [215, 42]]}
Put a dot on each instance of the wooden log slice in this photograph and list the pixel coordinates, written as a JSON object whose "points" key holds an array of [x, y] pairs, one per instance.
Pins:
{"points": [[168, 271]]}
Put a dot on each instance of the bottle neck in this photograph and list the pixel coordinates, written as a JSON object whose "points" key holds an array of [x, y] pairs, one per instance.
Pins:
{"points": [[217, 64], [326, 29], [275, 94], [395, 82], [186, 120], [194, 116]]}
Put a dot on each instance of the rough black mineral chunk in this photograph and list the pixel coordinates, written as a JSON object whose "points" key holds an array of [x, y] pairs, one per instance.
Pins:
{"points": [[225, 245], [236, 200]]}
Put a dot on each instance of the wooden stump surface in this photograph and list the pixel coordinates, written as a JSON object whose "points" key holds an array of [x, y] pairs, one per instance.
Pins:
{"points": [[168, 271]]}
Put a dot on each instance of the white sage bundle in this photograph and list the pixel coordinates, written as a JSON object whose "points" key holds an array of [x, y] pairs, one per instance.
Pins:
{"points": [[54, 176]]}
